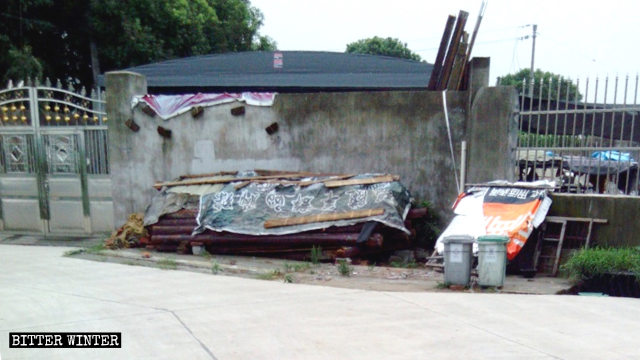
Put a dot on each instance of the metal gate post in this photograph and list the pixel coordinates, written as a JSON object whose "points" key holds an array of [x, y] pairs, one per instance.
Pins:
{"points": [[84, 182], [40, 160]]}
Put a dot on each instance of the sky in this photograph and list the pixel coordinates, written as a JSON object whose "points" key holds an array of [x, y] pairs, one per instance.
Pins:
{"points": [[576, 39]]}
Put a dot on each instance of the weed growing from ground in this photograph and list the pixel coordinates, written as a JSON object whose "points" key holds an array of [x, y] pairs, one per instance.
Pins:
{"points": [[205, 254], [216, 268], [316, 253], [270, 275], [402, 264], [95, 249], [343, 268], [167, 264], [74, 252], [296, 267]]}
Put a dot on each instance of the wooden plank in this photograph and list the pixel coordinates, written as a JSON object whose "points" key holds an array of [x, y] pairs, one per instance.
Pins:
{"points": [[221, 173], [373, 180], [458, 64], [588, 239], [467, 56], [453, 50], [306, 182], [333, 178], [262, 172], [444, 44], [241, 185], [556, 262], [299, 220], [225, 180], [560, 219]]}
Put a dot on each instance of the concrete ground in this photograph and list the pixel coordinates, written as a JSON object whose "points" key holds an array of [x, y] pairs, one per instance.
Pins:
{"points": [[165, 314]]}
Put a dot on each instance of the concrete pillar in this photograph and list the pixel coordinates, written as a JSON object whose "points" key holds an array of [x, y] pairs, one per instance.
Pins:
{"points": [[121, 86], [478, 75], [492, 134]]}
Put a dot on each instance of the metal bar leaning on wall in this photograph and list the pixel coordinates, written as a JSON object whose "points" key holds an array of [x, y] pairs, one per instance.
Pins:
{"points": [[613, 122], [602, 121], [546, 130], [537, 137], [633, 123]]}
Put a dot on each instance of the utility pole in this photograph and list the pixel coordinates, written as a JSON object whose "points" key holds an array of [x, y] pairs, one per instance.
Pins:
{"points": [[533, 54]]}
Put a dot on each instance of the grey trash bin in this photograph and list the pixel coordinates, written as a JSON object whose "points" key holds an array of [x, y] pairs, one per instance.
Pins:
{"points": [[458, 256], [492, 260]]}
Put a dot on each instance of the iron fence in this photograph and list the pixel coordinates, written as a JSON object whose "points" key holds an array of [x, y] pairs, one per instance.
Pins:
{"points": [[586, 142]]}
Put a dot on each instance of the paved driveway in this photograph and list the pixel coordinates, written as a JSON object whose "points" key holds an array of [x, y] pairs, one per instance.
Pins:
{"points": [[166, 314]]}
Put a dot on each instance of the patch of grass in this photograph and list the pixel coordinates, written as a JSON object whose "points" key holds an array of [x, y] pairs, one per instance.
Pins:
{"points": [[296, 267], [343, 268], [95, 249], [371, 266], [288, 278], [316, 254], [442, 285], [216, 268], [205, 254], [406, 265], [595, 262], [73, 252], [167, 264], [270, 275]]}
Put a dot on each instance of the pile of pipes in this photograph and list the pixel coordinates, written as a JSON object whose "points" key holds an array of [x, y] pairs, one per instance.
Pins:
{"points": [[172, 233]]}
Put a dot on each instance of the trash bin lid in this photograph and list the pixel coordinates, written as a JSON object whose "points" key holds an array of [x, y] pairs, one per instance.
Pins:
{"points": [[493, 238], [458, 239]]}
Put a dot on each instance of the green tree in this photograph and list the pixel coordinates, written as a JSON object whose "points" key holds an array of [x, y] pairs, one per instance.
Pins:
{"points": [[379, 46], [22, 63], [74, 40], [550, 83]]}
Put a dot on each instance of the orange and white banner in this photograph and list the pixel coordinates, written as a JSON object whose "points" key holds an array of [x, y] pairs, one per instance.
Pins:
{"points": [[511, 212], [504, 210]]}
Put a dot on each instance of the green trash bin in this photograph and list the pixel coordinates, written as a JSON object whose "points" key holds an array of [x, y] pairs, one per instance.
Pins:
{"points": [[458, 256], [492, 260]]}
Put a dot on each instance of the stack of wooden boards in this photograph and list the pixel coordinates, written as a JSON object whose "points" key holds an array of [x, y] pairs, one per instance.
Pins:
{"points": [[451, 65]]}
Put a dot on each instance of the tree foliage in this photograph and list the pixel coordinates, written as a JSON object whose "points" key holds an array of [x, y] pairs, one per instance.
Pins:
{"points": [[379, 46], [545, 85], [56, 38]]}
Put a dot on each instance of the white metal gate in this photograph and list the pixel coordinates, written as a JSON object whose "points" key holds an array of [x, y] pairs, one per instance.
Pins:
{"points": [[54, 171]]}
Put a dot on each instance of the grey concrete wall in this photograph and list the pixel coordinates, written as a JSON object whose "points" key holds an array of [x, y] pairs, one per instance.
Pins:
{"points": [[396, 132], [402, 133], [623, 228], [129, 165], [493, 135]]}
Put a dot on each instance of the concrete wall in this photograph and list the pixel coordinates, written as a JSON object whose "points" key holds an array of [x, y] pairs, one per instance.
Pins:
{"points": [[493, 134], [623, 228], [402, 133], [356, 132], [129, 169]]}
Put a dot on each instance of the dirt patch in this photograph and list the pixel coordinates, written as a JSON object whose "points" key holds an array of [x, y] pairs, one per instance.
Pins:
{"points": [[364, 277]]}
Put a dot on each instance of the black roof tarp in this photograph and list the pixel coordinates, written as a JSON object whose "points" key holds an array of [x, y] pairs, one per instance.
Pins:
{"points": [[300, 71]]}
